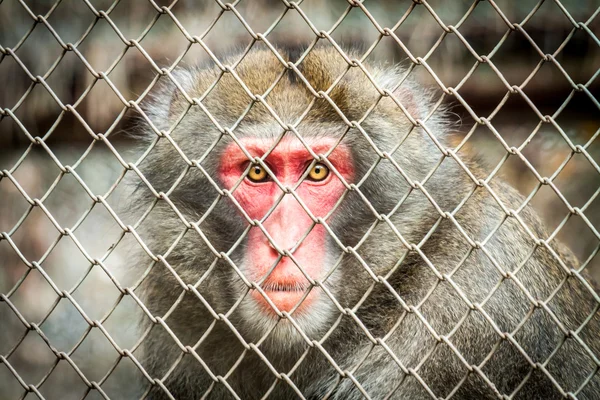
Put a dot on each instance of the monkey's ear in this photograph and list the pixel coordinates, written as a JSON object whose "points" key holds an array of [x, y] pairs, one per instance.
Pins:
{"points": [[181, 89], [404, 97], [407, 98], [166, 102]]}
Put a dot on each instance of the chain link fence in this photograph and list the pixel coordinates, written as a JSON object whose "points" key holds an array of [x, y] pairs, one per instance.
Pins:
{"points": [[77, 245]]}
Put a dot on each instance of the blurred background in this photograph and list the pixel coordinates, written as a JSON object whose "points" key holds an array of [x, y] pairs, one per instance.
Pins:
{"points": [[30, 46]]}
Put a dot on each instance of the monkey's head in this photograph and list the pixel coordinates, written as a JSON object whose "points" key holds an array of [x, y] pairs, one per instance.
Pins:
{"points": [[283, 176]]}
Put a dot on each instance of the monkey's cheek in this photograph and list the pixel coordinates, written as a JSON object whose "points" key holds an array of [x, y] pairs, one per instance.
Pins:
{"points": [[286, 300]]}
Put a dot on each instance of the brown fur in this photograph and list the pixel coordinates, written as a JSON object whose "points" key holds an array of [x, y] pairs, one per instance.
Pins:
{"points": [[432, 330]]}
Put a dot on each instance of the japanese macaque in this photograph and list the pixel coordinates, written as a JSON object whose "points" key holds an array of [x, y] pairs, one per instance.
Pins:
{"points": [[310, 236]]}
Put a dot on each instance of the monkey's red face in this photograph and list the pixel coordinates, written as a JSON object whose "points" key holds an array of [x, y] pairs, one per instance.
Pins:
{"points": [[287, 223]]}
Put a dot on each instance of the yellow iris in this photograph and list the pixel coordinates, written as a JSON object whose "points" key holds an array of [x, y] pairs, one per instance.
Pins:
{"points": [[257, 173], [318, 172]]}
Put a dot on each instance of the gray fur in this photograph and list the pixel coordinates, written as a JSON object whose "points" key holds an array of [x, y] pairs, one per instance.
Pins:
{"points": [[411, 340]]}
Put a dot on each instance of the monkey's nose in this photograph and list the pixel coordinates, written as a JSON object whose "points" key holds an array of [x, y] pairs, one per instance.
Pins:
{"points": [[271, 245]]}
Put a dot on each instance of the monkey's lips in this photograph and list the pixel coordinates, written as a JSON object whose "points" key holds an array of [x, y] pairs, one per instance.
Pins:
{"points": [[284, 297]]}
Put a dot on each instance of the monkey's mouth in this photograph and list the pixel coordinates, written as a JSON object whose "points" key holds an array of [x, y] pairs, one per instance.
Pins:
{"points": [[276, 287], [286, 297]]}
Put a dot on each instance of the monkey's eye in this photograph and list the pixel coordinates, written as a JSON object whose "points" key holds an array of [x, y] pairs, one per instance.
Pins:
{"points": [[318, 172], [257, 173]]}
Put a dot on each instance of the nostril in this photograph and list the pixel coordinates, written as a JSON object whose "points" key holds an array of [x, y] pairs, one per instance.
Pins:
{"points": [[289, 250], [272, 246]]}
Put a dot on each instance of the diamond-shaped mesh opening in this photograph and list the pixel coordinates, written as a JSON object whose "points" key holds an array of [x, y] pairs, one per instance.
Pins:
{"points": [[307, 199]]}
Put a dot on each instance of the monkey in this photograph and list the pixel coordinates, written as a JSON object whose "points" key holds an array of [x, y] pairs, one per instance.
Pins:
{"points": [[309, 233]]}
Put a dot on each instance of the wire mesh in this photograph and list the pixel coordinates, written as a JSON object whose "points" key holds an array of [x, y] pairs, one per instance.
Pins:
{"points": [[117, 282]]}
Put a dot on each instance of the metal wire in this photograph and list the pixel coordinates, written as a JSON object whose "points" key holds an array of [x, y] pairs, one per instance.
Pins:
{"points": [[96, 325]]}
